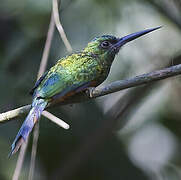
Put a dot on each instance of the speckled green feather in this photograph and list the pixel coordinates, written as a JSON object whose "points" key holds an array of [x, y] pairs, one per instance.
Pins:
{"points": [[76, 70]]}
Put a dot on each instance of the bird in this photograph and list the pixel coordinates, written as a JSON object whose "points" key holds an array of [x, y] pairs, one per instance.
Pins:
{"points": [[73, 74]]}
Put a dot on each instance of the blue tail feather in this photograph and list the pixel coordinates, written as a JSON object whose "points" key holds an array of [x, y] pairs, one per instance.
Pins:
{"points": [[37, 108]]}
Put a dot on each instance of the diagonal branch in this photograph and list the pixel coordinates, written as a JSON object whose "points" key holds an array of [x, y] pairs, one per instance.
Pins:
{"points": [[107, 89], [56, 120], [137, 81]]}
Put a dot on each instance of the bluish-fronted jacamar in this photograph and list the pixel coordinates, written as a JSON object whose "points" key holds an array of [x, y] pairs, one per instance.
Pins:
{"points": [[73, 74]]}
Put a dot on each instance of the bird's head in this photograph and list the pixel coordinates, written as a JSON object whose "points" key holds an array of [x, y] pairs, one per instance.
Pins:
{"points": [[108, 46]]}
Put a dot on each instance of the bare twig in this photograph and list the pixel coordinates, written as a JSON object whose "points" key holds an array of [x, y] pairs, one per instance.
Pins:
{"points": [[138, 80], [46, 50], [21, 154], [42, 69], [7, 116], [54, 20], [59, 26], [110, 88], [19, 162], [56, 120], [33, 151], [10, 115]]}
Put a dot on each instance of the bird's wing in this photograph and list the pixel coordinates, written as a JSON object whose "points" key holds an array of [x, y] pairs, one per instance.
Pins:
{"points": [[71, 90], [56, 85], [66, 78]]}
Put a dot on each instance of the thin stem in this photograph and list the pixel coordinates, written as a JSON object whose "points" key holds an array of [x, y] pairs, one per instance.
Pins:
{"points": [[43, 65], [42, 69], [34, 150], [7, 116], [54, 19], [46, 51], [59, 26], [20, 161], [56, 120]]}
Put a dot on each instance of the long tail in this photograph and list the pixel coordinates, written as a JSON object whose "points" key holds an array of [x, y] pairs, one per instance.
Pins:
{"points": [[38, 106]]}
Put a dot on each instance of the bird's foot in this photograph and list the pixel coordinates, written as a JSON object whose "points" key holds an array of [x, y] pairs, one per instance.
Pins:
{"points": [[89, 91]]}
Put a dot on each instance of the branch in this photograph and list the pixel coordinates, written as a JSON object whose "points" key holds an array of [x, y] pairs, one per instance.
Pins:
{"points": [[20, 160], [56, 120], [59, 26], [44, 59], [42, 68], [101, 91], [54, 20], [7, 116], [137, 81]]}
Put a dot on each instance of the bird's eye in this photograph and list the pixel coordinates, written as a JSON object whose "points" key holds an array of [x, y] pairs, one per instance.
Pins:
{"points": [[105, 44]]}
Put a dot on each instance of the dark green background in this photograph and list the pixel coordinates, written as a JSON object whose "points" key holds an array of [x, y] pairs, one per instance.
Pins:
{"points": [[149, 145]]}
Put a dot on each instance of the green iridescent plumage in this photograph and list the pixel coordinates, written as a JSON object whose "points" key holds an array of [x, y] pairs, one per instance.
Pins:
{"points": [[73, 74], [72, 71], [76, 70]]}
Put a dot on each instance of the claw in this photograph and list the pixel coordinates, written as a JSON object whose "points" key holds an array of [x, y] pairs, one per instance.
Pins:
{"points": [[89, 91]]}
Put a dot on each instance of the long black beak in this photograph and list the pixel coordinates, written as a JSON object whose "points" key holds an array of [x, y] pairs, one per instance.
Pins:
{"points": [[133, 36]]}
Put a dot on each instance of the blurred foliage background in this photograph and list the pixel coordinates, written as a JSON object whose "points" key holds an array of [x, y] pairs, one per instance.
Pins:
{"points": [[132, 134]]}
